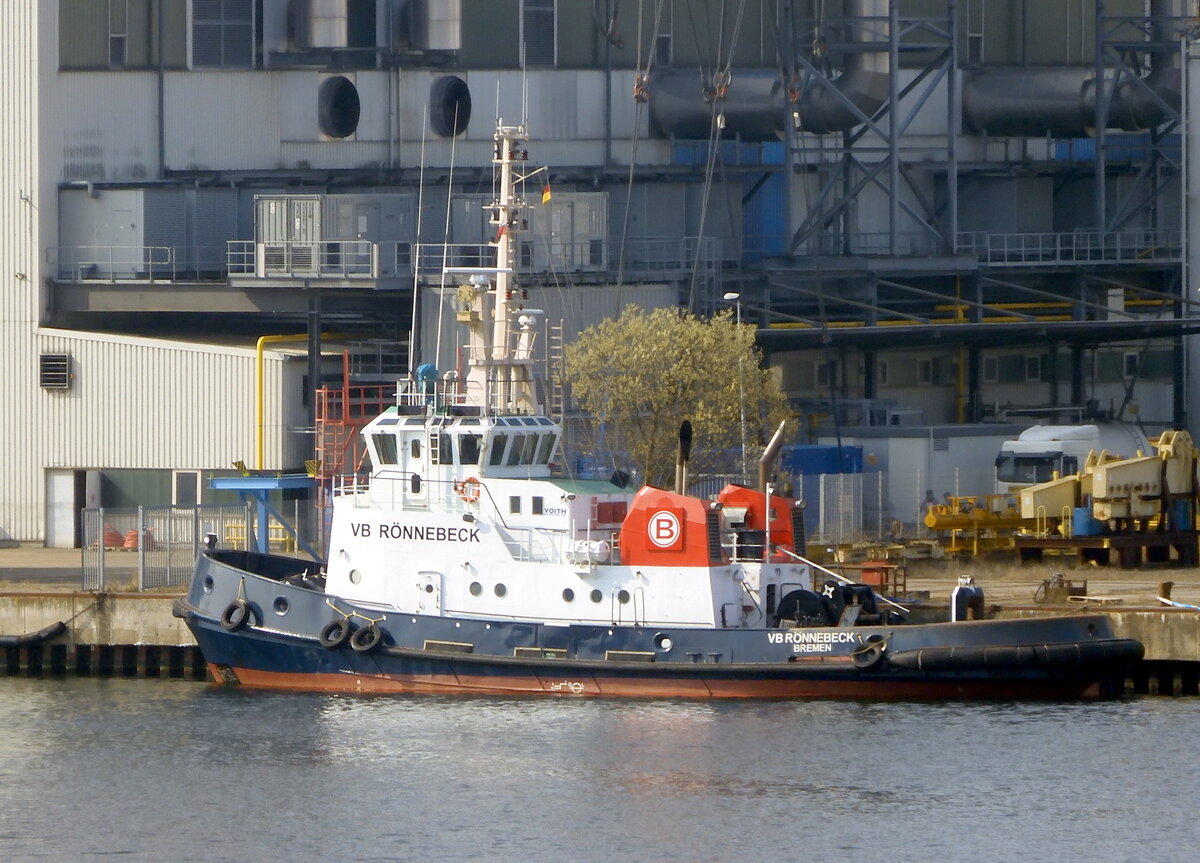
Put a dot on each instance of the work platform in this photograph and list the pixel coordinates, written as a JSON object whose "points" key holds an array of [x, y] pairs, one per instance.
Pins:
{"points": [[1131, 550]]}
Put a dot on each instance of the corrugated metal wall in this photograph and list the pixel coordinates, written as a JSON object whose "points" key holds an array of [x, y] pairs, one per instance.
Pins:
{"points": [[132, 403], [18, 242], [268, 121]]}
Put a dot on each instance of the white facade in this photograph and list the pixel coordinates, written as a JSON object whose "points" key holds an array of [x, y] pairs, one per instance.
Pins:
{"points": [[130, 402]]}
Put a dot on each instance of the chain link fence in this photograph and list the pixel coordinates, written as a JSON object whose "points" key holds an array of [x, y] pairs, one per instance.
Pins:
{"points": [[154, 546]]}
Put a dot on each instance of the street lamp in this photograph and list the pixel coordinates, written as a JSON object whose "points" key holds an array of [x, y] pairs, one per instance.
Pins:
{"points": [[736, 298]]}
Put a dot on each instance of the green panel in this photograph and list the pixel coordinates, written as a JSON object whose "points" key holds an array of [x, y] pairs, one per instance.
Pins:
{"points": [[491, 34], [175, 37], [578, 44], [139, 44], [1110, 367], [1157, 365], [83, 34], [133, 488]]}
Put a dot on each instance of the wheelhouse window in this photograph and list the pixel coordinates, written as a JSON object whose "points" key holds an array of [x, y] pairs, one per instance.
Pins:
{"points": [[222, 34], [545, 449], [514, 504], [496, 456], [385, 448], [514, 451], [468, 448]]}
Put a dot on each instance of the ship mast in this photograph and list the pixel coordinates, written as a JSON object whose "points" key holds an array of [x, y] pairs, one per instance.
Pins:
{"points": [[501, 367]]}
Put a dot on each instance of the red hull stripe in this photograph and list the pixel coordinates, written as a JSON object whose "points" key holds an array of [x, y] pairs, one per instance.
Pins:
{"points": [[657, 688]]}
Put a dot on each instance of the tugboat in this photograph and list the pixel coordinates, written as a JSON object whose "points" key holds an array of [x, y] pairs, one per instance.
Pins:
{"points": [[464, 564]]}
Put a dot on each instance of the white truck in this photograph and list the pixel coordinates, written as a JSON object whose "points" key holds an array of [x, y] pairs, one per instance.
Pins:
{"points": [[1041, 452]]}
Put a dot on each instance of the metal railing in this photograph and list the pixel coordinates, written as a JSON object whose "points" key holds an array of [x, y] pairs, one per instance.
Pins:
{"points": [[344, 259], [154, 546], [137, 263], [1162, 245]]}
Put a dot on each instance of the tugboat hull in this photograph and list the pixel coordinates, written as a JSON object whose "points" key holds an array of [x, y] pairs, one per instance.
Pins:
{"points": [[284, 637]]}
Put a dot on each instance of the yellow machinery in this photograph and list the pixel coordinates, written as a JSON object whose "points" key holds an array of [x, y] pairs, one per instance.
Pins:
{"points": [[977, 523], [1141, 508], [1137, 488]]}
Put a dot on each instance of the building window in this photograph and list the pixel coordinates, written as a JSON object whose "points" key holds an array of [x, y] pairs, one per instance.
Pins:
{"points": [[826, 373], [537, 33], [1033, 368], [881, 374], [925, 371], [975, 33], [222, 34], [1132, 364], [991, 370], [118, 31], [662, 49]]}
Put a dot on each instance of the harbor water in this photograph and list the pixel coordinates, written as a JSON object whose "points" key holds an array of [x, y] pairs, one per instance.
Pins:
{"points": [[161, 770]]}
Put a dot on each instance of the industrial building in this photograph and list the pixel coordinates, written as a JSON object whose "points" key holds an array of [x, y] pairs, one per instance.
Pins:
{"points": [[935, 211]]}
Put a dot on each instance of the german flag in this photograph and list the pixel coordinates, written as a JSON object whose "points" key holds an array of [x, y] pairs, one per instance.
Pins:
{"points": [[546, 193]]}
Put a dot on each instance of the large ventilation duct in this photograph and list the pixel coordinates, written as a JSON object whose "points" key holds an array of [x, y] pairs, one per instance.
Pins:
{"points": [[1061, 102], [825, 106], [754, 106]]}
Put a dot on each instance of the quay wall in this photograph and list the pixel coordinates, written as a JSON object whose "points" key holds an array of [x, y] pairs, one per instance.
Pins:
{"points": [[96, 618], [1169, 634]]}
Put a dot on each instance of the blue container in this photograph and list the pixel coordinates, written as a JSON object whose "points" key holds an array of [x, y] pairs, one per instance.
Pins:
{"points": [[816, 459], [1083, 524]]}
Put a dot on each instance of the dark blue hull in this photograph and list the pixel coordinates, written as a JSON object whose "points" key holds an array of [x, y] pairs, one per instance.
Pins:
{"points": [[288, 638]]}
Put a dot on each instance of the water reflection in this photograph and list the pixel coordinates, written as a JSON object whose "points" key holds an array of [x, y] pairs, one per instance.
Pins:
{"points": [[165, 770]]}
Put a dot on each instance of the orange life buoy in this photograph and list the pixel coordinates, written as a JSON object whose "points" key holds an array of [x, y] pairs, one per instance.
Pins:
{"points": [[468, 489]]}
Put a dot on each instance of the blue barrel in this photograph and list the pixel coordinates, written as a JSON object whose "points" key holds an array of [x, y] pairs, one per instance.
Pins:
{"points": [[1083, 524]]}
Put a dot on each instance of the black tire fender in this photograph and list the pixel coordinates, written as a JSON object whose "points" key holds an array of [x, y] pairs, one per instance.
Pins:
{"points": [[236, 615], [335, 633], [870, 652], [367, 639]]}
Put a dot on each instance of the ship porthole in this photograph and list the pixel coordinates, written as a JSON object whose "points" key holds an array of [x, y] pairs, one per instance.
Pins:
{"points": [[355, 576], [501, 590], [281, 605], [662, 641], [568, 595], [208, 584], [476, 588], [623, 596], [596, 596]]}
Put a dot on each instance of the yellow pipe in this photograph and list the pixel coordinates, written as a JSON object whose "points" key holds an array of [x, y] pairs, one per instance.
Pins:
{"points": [[258, 385]]}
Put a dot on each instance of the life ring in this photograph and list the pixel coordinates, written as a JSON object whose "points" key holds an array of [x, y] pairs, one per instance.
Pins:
{"points": [[236, 615], [335, 633], [367, 639], [870, 652], [468, 489]]}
